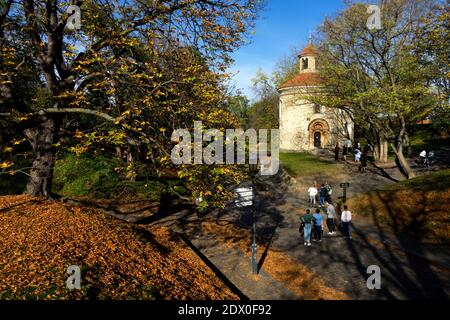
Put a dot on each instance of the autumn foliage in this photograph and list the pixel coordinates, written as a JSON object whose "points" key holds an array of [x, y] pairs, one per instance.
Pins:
{"points": [[39, 239]]}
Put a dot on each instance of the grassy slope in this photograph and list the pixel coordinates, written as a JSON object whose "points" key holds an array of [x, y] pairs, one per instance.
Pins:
{"points": [[98, 177], [426, 139], [94, 177], [305, 164], [39, 240], [417, 207]]}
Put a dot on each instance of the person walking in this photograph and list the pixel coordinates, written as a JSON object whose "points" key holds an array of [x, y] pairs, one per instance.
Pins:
{"points": [[307, 221], [329, 192], [317, 186], [423, 158], [363, 162], [323, 195], [312, 193], [331, 214], [346, 219], [357, 156], [318, 226], [336, 152], [347, 147], [430, 158]]}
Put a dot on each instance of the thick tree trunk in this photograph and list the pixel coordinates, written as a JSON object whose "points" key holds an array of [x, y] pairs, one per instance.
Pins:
{"points": [[42, 139], [408, 145], [402, 163], [380, 151]]}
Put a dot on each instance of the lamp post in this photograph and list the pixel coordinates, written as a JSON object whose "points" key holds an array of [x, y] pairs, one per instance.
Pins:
{"points": [[253, 169], [345, 186]]}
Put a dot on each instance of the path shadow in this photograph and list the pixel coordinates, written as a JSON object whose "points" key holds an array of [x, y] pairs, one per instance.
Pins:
{"points": [[211, 265], [382, 172], [406, 274], [20, 204]]}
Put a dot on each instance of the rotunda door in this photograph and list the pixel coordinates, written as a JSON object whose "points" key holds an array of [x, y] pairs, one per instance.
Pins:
{"points": [[318, 139]]}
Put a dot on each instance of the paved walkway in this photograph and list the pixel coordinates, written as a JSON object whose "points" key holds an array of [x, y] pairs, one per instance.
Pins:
{"points": [[410, 274], [420, 272], [236, 266], [230, 264]]}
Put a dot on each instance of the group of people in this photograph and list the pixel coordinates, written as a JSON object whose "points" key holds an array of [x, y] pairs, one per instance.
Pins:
{"points": [[319, 195], [361, 154], [312, 225], [426, 158]]}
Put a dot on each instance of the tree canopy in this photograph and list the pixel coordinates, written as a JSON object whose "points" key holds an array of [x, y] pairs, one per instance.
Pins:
{"points": [[379, 76], [133, 72]]}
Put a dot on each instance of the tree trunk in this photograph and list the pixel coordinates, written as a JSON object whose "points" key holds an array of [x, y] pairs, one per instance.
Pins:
{"points": [[380, 151], [402, 163], [408, 145], [385, 151], [119, 153], [130, 161], [42, 139]]}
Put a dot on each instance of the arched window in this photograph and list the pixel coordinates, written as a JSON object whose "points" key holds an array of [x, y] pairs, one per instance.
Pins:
{"points": [[305, 63]]}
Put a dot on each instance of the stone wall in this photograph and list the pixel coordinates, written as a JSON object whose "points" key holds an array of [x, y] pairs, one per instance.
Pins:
{"points": [[296, 116]]}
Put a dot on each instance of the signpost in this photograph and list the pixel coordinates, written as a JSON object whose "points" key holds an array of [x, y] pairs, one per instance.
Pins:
{"points": [[245, 198], [345, 186]]}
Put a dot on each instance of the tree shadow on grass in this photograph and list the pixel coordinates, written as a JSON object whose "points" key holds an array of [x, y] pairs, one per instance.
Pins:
{"points": [[404, 274]]}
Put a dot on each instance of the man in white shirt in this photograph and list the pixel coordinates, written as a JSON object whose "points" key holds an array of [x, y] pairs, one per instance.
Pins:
{"points": [[423, 157], [312, 192], [346, 219]]}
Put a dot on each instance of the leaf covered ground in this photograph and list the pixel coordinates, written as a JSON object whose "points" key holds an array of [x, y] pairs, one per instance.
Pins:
{"points": [[417, 207], [40, 239]]}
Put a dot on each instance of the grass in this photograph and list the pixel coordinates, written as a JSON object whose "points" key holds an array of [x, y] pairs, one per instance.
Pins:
{"points": [[306, 164], [15, 184], [92, 177], [97, 177], [416, 207], [426, 139], [437, 181]]}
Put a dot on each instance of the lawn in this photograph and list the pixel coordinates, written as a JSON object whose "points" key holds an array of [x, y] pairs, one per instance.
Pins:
{"points": [[417, 207], [96, 177], [306, 164], [426, 139]]}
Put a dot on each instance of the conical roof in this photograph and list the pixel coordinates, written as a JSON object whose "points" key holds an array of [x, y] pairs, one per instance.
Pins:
{"points": [[309, 51]]}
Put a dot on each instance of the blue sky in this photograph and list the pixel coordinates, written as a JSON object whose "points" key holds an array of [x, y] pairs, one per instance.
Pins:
{"points": [[284, 24]]}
